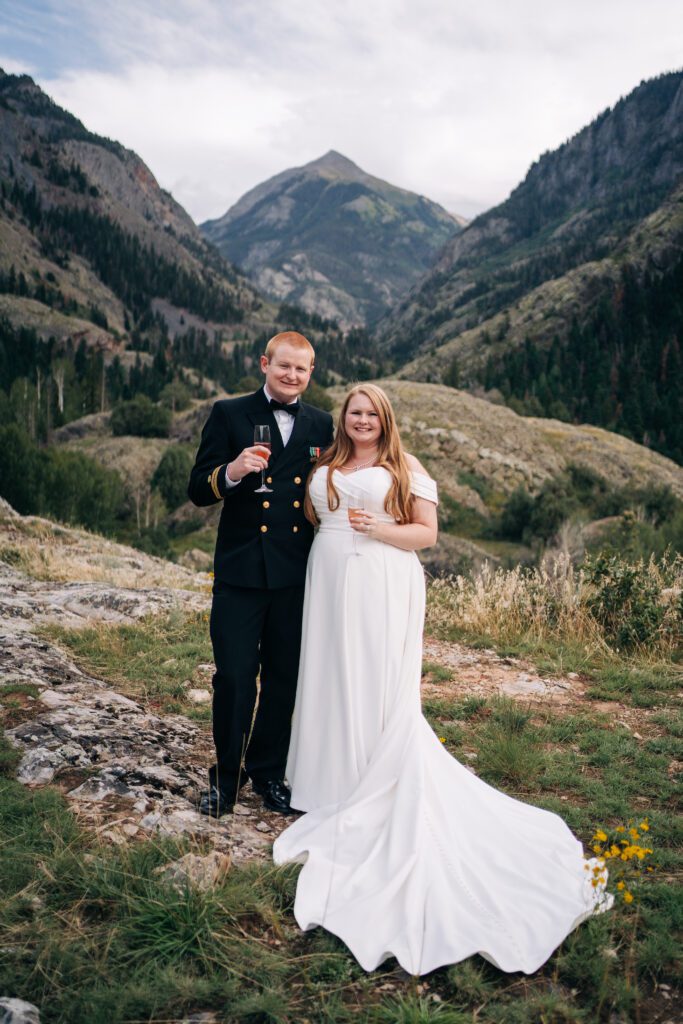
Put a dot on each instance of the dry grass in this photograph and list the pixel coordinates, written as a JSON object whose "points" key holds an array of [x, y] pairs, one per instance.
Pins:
{"points": [[552, 602], [506, 603], [48, 551]]}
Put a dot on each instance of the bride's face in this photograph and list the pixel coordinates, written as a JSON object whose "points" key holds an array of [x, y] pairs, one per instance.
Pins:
{"points": [[362, 422]]}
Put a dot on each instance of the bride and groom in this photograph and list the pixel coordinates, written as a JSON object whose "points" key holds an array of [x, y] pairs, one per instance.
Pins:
{"points": [[405, 851]]}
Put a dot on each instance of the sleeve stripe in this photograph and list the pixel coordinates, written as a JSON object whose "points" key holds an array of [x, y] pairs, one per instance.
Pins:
{"points": [[213, 480]]}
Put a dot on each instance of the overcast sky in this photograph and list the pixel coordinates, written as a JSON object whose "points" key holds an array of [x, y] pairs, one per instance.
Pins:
{"points": [[450, 98]]}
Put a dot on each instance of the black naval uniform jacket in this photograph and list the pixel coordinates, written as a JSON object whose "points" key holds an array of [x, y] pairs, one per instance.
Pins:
{"points": [[263, 539]]}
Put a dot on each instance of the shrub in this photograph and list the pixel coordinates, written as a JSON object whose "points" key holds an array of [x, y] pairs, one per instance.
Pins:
{"points": [[63, 485], [517, 514], [21, 478], [80, 491], [248, 383], [625, 600], [317, 396], [171, 476], [140, 417], [554, 503], [175, 396], [457, 518]]}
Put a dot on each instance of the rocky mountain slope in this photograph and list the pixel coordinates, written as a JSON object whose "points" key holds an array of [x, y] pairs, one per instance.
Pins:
{"points": [[332, 238], [85, 224], [107, 287], [567, 298], [576, 206]]}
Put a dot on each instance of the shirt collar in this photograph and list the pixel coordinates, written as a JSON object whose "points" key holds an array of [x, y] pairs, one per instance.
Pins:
{"points": [[270, 397]]}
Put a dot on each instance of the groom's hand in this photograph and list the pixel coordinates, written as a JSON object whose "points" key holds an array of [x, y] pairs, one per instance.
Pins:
{"points": [[251, 460]]}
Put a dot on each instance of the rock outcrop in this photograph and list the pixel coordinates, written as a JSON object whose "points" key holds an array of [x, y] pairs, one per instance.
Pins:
{"points": [[18, 1011], [126, 770]]}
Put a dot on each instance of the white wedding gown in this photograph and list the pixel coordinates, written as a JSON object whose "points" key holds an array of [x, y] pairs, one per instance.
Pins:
{"points": [[405, 851]]}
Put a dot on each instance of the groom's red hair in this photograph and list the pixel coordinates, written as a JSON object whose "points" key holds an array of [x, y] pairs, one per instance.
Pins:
{"points": [[292, 338]]}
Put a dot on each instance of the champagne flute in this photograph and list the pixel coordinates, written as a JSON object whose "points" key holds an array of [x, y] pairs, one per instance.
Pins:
{"points": [[355, 504], [262, 439]]}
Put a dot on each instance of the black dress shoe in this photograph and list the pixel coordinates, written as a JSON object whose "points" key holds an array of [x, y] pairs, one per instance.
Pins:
{"points": [[276, 795], [215, 802]]}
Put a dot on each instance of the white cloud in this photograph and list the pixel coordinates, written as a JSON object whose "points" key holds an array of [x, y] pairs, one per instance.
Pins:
{"points": [[446, 99], [16, 67]]}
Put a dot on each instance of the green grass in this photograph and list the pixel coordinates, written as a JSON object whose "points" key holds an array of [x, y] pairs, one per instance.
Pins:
{"points": [[93, 935], [436, 673], [152, 660], [456, 518], [204, 539]]}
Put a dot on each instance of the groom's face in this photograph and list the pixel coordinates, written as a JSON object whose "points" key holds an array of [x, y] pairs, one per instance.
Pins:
{"points": [[287, 372]]}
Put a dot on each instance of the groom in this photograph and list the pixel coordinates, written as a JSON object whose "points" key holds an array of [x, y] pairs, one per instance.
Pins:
{"points": [[259, 569]]}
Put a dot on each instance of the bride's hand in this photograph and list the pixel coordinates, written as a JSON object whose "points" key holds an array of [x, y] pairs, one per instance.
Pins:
{"points": [[365, 523]]}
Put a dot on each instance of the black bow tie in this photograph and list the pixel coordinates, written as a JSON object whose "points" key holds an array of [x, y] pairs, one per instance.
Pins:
{"points": [[292, 409]]}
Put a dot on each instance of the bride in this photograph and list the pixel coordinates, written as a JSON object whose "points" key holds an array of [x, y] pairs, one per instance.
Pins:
{"points": [[406, 853]]}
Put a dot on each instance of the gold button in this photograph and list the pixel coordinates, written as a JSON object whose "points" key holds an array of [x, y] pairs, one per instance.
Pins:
{"points": [[269, 479], [264, 529], [297, 479], [208, 479], [297, 504], [295, 529], [266, 504]]}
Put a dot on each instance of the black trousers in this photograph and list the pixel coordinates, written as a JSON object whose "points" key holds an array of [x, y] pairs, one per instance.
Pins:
{"points": [[253, 632]]}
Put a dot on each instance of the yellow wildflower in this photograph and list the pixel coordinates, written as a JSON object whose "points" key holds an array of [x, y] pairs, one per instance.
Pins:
{"points": [[644, 826], [620, 828], [621, 885], [628, 898], [594, 883], [597, 848], [634, 833], [602, 836], [442, 739], [614, 850]]}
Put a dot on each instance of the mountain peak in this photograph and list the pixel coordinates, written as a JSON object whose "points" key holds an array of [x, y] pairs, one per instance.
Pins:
{"points": [[331, 237], [335, 161]]}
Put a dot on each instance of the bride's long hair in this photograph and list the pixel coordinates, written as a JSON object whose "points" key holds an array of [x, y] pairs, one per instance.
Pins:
{"points": [[390, 454]]}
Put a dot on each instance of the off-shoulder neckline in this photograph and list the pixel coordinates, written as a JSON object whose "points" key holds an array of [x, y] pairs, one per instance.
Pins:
{"points": [[368, 469]]}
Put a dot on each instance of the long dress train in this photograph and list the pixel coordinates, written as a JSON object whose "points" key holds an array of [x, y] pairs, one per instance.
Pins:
{"points": [[405, 851]]}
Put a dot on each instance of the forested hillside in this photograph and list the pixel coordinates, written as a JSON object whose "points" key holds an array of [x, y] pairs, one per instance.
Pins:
{"points": [[565, 298], [108, 289], [622, 368]]}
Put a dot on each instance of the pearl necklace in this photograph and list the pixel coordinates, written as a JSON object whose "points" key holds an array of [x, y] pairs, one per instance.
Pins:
{"points": [[364, 465]]}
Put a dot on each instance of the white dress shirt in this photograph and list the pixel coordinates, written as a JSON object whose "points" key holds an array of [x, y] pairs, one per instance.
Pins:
{"points": [[285, 424]]}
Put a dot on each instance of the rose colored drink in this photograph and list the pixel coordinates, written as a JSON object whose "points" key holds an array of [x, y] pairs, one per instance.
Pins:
{"points": [[263, 443]]}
